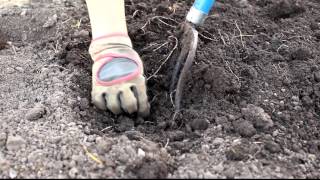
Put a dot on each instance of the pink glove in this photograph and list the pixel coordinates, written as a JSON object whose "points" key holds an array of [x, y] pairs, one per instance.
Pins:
{"points": [[118, 83]]}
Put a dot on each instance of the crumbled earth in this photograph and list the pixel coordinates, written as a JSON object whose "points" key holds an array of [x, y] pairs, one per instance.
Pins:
{"points": [[250, 109]]}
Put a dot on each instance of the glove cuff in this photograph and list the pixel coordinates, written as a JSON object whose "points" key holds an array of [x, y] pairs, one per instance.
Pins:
{"points": [[110, 41]]}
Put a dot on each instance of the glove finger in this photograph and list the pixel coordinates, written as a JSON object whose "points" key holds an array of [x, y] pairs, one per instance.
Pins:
{"points": [[113, 103], [99, 101], [143, 104], [128, 101]]}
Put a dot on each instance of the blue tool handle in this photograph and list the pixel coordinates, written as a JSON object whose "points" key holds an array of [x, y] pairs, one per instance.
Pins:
{"points": [[204, 5], [199, 11]]}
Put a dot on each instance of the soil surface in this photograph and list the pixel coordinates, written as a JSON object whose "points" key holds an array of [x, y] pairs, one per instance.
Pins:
{"points": [[251, 104]]}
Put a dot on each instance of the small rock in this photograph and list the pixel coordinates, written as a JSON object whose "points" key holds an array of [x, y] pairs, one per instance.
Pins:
{"points": [[36, 113], [10, 70], [35, 156], [23, 12], [217, 141], [272, 147], [222, 120], [15, 143], [13, 174], [317, 76], [141, 153], [82, 34], [209, 175], [73, 172], [307, 101], [134, 135], [295, 98], [3, 139], [176, 136], [51, 21], [20, 69], [314, 26], [317, 34]]}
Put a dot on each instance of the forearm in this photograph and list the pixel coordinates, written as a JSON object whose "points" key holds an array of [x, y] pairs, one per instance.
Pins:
{"points": [[107, 17]]}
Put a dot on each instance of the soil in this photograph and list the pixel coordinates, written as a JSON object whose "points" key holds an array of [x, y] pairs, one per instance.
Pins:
{"points": [[251, 104]]}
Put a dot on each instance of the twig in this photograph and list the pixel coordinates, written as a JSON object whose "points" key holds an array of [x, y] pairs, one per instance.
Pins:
{"points": [[282, 45], [241, 35], [135, 13], [93, 157], [228, 65], [168, 140], [107, 128], [206, 37], [160, 46], [221, 37], [166, 59], [171, 98], [159, 18]]}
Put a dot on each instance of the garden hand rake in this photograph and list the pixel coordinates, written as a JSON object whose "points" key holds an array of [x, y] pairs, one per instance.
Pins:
{"points": [[196, 17]]}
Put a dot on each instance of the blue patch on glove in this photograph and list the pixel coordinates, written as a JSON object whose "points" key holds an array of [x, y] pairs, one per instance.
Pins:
{"points": [[117, 68]]}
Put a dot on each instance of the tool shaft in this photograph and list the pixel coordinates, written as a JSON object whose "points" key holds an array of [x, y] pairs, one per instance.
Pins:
{"points": [[199, 11]]}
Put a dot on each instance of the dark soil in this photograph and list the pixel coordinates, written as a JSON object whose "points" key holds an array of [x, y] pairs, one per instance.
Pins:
{"points": [[251, 104]]}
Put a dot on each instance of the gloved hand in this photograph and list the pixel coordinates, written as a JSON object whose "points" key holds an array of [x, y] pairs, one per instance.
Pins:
{"points": [[118, 83]]}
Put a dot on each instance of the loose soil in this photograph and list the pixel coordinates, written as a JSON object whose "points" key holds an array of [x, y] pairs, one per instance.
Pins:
{"points": [[251, 104]]}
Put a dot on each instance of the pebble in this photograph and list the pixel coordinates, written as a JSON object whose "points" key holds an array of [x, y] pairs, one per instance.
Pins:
{"points": [[141, 153], [15, 143], [13, 174], [317, 76], [10, 70], [295, 98], [73, 172], [3, 138], [82, 34], [217, 141], [51, 21], [20, 69]]}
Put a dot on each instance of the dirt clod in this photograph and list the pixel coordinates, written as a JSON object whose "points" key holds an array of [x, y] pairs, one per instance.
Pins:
{"points": [[285, 9], [301, 54], [272, 147], [244, 128], [257, 116], [237, 153], [15, 143], [36, 113], [149, 168], [199, 124], [3, 41]]}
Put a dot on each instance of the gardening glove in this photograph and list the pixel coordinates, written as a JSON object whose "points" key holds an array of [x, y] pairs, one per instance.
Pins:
{"points": [[118, 82]]}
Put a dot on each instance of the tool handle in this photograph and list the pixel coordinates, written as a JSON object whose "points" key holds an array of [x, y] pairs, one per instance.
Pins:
{"points": [[199, 11]]}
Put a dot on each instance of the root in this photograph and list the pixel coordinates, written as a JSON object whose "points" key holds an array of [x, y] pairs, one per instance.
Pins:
{"points": [[166, 59]]}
